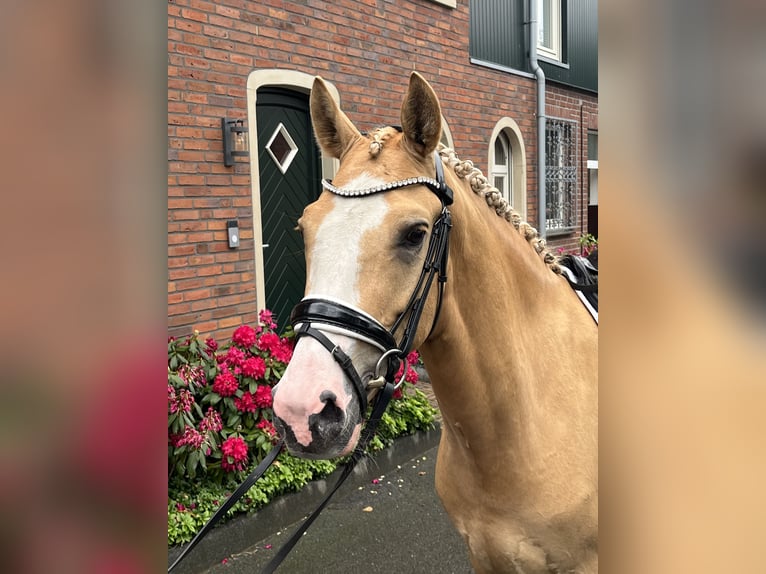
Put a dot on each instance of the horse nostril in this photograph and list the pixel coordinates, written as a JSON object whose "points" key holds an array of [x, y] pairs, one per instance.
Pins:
{"points": [[328, 397]]}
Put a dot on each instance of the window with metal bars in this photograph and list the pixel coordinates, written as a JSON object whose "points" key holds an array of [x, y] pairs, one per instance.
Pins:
{"points": [[560, 175]]}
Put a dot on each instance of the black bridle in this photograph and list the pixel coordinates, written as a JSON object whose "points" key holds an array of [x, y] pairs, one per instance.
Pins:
{"points": [[337, 317]]}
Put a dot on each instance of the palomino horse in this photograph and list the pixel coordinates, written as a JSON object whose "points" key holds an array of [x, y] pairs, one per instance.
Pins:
{"points": [[512, 355]]}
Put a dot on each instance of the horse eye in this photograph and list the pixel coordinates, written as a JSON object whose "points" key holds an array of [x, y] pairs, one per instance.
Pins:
{"points": [[414, 237]]}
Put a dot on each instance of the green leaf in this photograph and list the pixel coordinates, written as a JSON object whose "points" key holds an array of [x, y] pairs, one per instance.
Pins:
{"points": [[176, 379], [174, 362], [233, 420]]}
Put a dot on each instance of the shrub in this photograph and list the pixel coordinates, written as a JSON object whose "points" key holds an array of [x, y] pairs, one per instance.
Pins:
{"points": [[220, 423]]}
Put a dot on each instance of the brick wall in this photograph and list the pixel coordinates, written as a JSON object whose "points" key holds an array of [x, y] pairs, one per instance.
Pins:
{"points": [[367, 49]]}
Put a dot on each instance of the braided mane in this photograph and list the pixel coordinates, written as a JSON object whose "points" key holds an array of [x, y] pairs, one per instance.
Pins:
{"points": [[481, 186]]}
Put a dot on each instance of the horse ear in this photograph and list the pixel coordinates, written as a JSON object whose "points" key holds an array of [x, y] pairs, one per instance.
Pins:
{"points": [[334, 131], [421, 117]]}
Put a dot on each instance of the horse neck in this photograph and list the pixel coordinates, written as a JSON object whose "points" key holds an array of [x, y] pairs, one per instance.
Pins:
{"points": [[499, 359]]}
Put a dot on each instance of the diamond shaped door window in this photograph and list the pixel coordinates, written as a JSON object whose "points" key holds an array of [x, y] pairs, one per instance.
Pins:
{"points": [[282, 148]]}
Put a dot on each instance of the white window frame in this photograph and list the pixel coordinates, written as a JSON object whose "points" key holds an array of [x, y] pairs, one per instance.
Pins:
{"points": [[504, 169], [553, 51], [516, 177], [447, 3]]}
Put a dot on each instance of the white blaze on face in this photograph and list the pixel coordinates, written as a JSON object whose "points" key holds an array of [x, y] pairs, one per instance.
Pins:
{"points": [[335, 255], [334, 274]]}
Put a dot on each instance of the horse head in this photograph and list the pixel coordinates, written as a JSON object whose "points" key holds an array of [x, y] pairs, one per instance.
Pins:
{"points": [[365, 251]]}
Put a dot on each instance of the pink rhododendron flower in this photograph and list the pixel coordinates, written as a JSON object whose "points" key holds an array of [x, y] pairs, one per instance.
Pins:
{"points": [[192, 437], [266, 319], [193, 375], [172, 399], [411, 376], [254, 367], [268, 342], [211, 344], [235, 357], [283, 352], [397, 393], [413, 357], [244, 336], [246, 403], [185, 400], [263, 396], [180, 507], [266, 425], [234, 450], [211, 422], [225, 384]]}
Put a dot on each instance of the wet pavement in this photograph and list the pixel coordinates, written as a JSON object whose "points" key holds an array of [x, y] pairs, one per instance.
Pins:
{"points": [[390, 522]]}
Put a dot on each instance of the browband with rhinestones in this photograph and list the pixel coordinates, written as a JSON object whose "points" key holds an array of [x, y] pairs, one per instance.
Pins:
{"points": [[428, 181], [438, 185]]}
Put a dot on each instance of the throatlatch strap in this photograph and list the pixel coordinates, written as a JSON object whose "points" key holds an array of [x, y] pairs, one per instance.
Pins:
{"points": [[236, 495], [369, 431]]}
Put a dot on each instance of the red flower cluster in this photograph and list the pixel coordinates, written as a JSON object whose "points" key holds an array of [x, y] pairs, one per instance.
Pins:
{"points": [[263, 396], [280, 349], [254, 367], [246, 403], [411, 376], [268, 342], [182, 401], [244, 336], [225, 383], [265, 425], [193, 375], [266, 318], [211, 422], [191, 437], [250, 353], [234, 451]]}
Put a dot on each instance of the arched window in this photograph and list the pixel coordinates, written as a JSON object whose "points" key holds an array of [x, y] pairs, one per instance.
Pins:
{"points": [[507, 164]]}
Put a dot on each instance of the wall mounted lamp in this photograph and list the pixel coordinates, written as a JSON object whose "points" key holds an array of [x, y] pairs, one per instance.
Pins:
{"points": [[235, 140]]}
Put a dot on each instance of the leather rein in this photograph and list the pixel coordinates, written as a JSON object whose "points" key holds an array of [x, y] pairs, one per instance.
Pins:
{"points": [[337, 317]]}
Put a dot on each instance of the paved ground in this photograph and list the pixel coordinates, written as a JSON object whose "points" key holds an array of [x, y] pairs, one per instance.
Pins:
{"points": [[396, 525]]}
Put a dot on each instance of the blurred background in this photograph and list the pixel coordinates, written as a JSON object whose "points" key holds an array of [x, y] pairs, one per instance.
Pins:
{"points": [[82, 307]]}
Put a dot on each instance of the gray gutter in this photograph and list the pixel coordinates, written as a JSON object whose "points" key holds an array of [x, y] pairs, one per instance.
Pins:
{"points": [[541, 159]]}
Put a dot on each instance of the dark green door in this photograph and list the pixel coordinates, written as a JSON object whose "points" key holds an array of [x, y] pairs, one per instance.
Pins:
{"points": [[290, 174]]}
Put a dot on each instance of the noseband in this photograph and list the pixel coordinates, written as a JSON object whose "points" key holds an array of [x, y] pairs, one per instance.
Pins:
{"points": [[337, 317]]}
